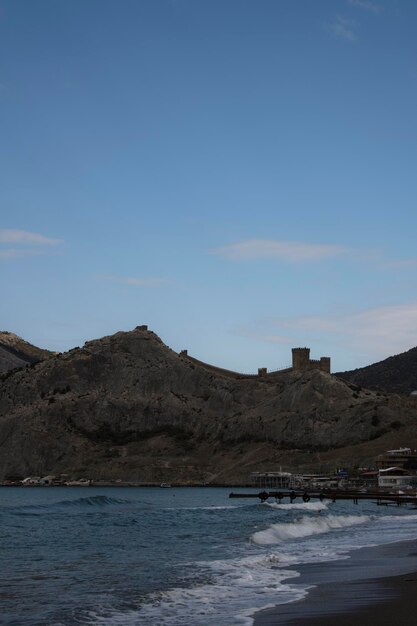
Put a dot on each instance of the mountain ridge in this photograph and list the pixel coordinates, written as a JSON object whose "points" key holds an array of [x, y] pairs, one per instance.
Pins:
{"points": [[127, 406], [396, 374], [16, 352]]}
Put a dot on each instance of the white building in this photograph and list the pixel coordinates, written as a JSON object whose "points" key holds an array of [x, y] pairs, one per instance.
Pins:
{"points": [[31, 480], [395, 478]]}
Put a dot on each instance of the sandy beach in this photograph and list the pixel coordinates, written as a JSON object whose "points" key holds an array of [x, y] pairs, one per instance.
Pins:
{"points": [[375, 586]]}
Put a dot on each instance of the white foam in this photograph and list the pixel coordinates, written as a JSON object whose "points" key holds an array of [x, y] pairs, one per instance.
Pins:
{"points": [[305, 527], [298, 506], [204, 508], [230, 591], [207, 605], [221, 508], [241, 587]]}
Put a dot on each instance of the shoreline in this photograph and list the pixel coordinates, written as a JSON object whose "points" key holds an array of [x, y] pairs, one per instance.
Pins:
{"points": [[376, 585], [134, 485]]}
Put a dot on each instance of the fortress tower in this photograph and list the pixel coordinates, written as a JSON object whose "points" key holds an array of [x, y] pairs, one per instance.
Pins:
{"points": [[301, 361], [301, 358]]}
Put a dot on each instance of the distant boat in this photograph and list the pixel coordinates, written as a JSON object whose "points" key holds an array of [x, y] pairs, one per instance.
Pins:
{"points": [[165, 485]]}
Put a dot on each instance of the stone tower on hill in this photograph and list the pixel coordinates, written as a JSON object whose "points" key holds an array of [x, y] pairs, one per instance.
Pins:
{"points": [[301, 361]]}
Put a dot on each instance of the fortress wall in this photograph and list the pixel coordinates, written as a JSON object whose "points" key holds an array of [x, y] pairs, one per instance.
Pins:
{"points": [[301, 362], [277, 373], [214, 369], [262, 375], [322, 364]]}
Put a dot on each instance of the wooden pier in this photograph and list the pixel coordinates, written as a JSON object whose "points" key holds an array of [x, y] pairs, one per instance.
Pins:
{"points": [[292, 495]]}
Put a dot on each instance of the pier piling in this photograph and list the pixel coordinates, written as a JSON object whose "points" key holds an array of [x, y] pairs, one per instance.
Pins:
{"points": [[378, 497]]}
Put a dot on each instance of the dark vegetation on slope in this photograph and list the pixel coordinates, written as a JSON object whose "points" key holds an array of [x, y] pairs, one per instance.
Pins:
{"points": [[397, 374]]}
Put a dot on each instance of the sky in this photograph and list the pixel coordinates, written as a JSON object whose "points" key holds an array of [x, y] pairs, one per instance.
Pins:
{"points": [[240, 175]]}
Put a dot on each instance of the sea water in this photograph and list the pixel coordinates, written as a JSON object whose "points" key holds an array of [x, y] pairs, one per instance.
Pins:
{"points": [[169, 557]]}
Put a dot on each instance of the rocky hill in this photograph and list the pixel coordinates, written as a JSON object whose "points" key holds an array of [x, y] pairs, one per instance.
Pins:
{"points": [[16, 352], [128, 407], [397, 374]]}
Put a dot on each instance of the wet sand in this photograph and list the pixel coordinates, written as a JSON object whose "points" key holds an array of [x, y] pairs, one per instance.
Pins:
{"points": [[375, 586]]}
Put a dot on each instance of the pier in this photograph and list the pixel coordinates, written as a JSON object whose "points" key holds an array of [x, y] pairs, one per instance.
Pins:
{"points": [[292, 495]]}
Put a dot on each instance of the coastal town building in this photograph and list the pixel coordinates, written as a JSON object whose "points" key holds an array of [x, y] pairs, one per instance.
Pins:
{"points": [[402, 457], [262, 480], [396, 477]]}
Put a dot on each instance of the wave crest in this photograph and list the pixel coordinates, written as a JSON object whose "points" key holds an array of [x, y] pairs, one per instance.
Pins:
{"points": [[298, 506], [92, 501], [305, 527], [88, 501]]}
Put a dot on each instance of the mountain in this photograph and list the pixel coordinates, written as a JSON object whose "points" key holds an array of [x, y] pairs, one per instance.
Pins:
{"points": [[128, 407], [16, 352], [397, 374]]}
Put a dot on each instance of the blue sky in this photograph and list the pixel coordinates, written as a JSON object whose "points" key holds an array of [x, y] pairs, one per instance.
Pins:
{"points": [[238, 174]]}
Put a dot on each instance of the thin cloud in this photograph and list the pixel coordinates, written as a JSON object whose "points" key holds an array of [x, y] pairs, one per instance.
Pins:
{"points": [[299, 252], [14, 253], [135, 282], [389, 327], [289, 251], [11, 236], [366, 5], [398, 263], [14, 243], [380, 331], [342, 27]]}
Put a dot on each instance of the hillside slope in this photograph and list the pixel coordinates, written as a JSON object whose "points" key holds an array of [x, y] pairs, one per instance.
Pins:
{"points": [[397, 374], [126, 406], [16, 352]]}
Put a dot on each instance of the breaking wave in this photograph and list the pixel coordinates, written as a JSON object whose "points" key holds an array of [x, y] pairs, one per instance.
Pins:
{"points": [[205, 508], [298, 506], [240, 588], [305, 527]]}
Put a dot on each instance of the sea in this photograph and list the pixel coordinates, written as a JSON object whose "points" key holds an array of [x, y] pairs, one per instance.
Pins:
{"points": [[170, 557]]}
